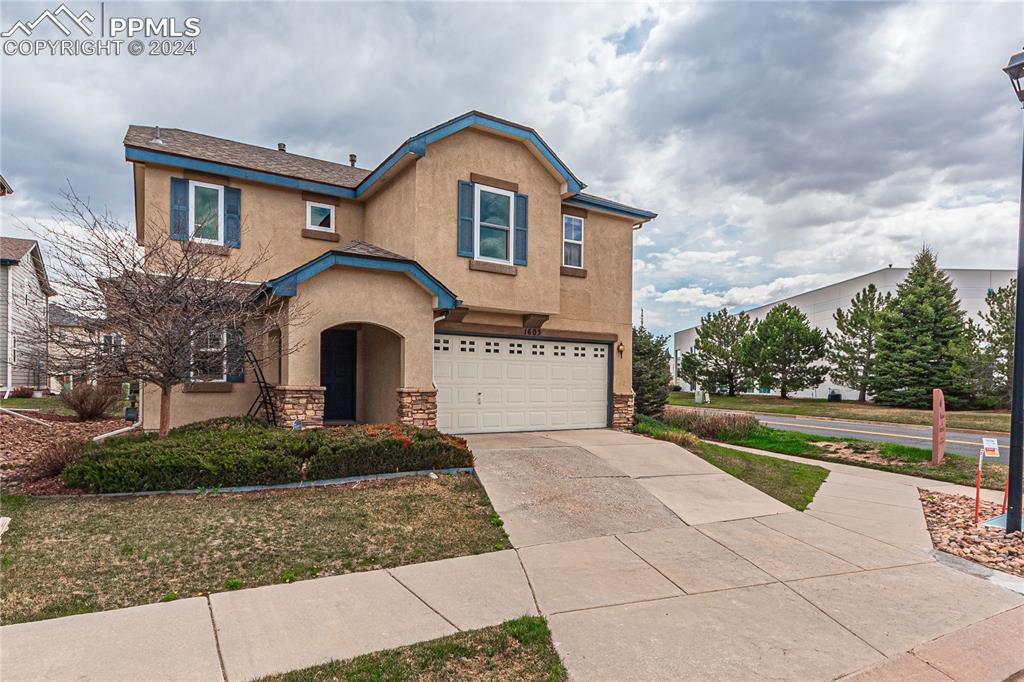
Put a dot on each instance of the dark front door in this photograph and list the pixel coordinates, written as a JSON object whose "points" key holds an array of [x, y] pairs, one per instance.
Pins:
{"points": [[338, 373]]}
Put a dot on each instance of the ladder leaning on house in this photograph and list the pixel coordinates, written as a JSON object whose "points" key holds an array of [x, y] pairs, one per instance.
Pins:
{"points": [[262, 400]]}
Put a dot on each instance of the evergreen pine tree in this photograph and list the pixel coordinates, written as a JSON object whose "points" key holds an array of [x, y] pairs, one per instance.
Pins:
{"points": [[994, 349], [785, 352], [650, 372], [924, 331], [719, 351], [852, 345]]}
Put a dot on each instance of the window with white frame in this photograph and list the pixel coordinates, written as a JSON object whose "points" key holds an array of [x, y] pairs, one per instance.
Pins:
{"points": [[209, 356], [319, 217], [206, 212], [572, 241], [495, 215], [112, 343]]}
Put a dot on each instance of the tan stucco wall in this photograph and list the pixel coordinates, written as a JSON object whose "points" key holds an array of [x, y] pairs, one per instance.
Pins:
{"points": [[379, 371], [272, 218], [192, 407], [346, 295], [390, 215]]}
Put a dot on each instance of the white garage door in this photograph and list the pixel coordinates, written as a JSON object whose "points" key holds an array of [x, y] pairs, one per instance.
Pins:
{"points": [[498, 384]]}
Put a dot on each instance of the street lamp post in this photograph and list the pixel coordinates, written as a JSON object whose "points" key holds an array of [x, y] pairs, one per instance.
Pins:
{"points": [[1015, 70]]}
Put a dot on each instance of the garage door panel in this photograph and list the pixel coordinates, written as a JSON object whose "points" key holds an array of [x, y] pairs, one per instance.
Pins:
{"points": [[500, 384]]}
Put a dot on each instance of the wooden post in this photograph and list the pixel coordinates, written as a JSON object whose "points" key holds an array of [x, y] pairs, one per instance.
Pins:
{"points": [[938, 426]]}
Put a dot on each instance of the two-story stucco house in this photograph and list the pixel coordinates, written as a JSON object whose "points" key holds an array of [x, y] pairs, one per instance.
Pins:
{"points": [[467, 281], [24, 290]]}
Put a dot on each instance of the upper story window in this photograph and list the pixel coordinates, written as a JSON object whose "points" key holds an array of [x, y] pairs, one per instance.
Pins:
{"points": [[572, 241], [206, 212], [319, 216], [495, 216]]}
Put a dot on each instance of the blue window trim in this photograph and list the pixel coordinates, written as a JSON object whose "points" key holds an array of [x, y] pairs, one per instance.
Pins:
{"points": [[596, 203], [416, 146], [286, 284]]}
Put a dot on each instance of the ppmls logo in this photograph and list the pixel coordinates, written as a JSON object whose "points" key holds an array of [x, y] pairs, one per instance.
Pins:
{"points": [[53, 17], [165, 36]]}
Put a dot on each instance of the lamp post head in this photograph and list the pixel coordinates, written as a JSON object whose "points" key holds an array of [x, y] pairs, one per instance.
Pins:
{"points": [[1015, 70]]}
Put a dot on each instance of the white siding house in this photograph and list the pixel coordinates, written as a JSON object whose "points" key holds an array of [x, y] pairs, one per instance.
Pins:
{"points": [[819, 305], [24, 290]]}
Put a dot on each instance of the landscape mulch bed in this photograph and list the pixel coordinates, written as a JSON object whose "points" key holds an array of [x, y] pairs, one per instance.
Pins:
{"points": [[951, 524], [21, 440]]}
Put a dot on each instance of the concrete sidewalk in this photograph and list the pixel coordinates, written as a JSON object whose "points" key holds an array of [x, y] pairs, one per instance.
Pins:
{"points": [[648, 562]]}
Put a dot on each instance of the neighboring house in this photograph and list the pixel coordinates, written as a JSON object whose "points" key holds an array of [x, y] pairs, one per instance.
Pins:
{"points": [[68, 329], [5, 187], [820, 304], [466, 281], [24, 290]]}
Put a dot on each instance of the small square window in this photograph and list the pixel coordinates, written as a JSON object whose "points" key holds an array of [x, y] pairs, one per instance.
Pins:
{"points": [[579, 352], [537, 349], [442, 345], [319, 217], [515, 349], [466, 346], [558, 351], [492, 346]]}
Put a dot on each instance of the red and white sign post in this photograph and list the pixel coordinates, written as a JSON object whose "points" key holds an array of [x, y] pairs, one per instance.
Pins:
{"points": [[989, 448]]}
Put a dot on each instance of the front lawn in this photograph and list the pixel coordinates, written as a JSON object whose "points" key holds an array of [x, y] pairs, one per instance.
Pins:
{"points": [[49, 403], [74, 555], [987, 420], [788, 482], [515, 650]]}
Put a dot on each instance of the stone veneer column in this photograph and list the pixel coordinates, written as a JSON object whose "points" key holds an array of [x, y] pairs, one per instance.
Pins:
{"points": [[623, 407], [305, 403], [418, 407]]}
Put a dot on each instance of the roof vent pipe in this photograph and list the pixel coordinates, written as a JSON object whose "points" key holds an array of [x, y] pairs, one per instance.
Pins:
{"points": [[281, 147], [352, 160], [156, 136]]}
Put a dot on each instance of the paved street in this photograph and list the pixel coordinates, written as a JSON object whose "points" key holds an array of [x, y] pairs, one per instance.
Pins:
{"points": [[957, 442], [648, 562]]}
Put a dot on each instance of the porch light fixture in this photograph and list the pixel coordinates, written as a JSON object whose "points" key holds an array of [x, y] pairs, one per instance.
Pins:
{"points": [[1015, 70], [621, 348]]}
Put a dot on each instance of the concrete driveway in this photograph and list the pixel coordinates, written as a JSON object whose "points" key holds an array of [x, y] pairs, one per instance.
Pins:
{"points": [[652, 564]]}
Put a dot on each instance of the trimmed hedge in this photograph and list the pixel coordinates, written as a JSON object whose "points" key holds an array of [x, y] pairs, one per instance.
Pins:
{"points": [[239, 451]]}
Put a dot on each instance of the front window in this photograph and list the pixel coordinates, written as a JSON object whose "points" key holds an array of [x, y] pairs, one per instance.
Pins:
{"points": [[572, 241], [206, 212], [319, 217], [495, 212], [112, 343], [209, 356]]}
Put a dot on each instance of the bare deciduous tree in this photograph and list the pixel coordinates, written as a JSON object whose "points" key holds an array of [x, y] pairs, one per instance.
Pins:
{"points": [[167, 313]]}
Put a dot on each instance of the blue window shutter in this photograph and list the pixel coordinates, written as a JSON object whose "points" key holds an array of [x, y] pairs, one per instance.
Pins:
{"points": [[233, 217], [467, 239], [235, 356], [522, 229], [179, 209]]}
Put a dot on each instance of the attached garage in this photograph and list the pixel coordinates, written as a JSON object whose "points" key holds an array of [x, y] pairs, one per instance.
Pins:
{"points": [[491, 384]]}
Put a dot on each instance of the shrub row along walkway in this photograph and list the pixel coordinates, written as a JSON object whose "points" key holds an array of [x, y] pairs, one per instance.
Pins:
{"points": [[649, 563]]}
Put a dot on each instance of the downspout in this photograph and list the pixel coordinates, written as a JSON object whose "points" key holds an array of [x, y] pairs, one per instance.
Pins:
{"points": [[131, 427], [10, 335]]}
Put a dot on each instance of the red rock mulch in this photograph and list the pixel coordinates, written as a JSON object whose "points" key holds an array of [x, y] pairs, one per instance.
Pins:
{"points": [[21, 440], [951, 524]]}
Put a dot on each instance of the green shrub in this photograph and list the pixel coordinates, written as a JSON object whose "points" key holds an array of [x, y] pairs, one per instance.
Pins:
{"points": [[713, 424], [239, 451], [649, 426]]}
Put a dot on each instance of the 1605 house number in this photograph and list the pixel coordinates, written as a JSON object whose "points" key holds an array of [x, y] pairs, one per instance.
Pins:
{"points": [[531, 331]]}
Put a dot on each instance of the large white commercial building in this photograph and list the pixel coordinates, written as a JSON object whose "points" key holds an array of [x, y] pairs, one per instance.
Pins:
{"points": [[820, 304]]}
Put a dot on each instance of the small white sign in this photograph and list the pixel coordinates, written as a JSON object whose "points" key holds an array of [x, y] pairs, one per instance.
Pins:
{"points": [[990, 447]]}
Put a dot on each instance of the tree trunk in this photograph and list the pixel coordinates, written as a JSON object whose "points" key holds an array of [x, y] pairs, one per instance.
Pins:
{"points": [[165, 410], [782, 392], [863, 397]]}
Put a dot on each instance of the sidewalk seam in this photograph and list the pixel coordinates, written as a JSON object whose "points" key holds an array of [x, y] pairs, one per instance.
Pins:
{"points": [[637, 555], [529, 583], [831, 618], [422, 600], [216, 639]]}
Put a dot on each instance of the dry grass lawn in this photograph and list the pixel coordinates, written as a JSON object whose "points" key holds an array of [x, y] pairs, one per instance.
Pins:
{"points": [[74, 555], [515, 650]]}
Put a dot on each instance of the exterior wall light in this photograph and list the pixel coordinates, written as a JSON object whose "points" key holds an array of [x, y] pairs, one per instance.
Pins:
{"points": [[621, 348]]}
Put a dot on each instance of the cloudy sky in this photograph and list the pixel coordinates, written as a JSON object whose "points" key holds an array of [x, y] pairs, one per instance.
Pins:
{"points": [[785, 146]]}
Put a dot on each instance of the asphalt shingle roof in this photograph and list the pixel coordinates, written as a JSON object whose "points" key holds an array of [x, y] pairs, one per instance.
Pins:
{"points": [[12, 248], [361, 248], [208, 148]]}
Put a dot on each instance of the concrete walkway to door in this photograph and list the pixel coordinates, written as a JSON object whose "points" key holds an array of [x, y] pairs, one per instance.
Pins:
{"points": [[652, 564], [649, 563]]}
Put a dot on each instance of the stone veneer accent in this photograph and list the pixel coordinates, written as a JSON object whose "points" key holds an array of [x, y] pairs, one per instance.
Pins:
{"points": [[298, 402], [623, 407], [418, 407]]}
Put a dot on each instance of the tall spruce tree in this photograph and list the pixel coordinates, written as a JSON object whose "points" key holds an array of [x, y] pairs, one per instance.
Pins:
{"points": [[719, 351], [994, 347], [852, 346], [785, 352], [924, 331], [651, 375]]}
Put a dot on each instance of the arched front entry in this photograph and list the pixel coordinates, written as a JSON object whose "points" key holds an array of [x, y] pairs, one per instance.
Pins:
{"points": [[361, 372]]}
